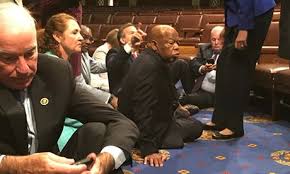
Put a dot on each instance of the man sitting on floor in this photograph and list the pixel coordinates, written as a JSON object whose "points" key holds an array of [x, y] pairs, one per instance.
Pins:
{"points": [[148, 97]]}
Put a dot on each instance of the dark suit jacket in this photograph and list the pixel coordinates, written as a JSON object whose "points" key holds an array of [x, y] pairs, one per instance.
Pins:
{"points": [[55, 82], [118, 63], [147, 98], [205, 53], [284, 51]]}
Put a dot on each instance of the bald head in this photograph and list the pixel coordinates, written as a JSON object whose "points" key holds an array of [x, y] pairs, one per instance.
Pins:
{"points": [[217, 38], [18, 47], [218, 30], [15, 18], [158, 32], [163, 39]]}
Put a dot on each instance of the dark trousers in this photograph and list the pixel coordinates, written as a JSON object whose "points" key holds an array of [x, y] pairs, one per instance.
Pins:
{"points": [[88, 138], [235, 69], [180, 70], [200, 98], [181, 130]]}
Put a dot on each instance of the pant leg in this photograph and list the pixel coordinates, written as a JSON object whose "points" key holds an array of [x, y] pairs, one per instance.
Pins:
{"points": [[88, 138], [234, 75], [189, 128], [200, 98], [182, 130]]}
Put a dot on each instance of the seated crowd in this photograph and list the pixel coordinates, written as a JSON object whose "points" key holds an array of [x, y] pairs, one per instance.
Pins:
{"points": [[125, 97]]}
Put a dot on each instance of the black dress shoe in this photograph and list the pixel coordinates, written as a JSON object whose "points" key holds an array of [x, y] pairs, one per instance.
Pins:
{"points": [[210, 127], [219, 136]]}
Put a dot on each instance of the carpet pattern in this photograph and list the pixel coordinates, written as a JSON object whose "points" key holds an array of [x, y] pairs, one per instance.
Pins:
{"points": [[265, 149]]}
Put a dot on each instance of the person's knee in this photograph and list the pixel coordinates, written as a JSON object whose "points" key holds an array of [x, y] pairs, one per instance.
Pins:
{"points": [[197, 128]]}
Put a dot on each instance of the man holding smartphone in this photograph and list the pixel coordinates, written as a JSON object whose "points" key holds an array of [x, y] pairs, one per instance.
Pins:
{"points": [[203, 66]]}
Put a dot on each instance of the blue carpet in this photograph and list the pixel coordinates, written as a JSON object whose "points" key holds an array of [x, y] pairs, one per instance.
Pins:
{"points": [[265, 149]]}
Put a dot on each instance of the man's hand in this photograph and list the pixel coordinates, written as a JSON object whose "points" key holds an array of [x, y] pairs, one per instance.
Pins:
{"points": [[182, 111], [136, 42], [241, 40], [207, 68], [40, 163], [155, 159], [103, 163], [114, 102]]}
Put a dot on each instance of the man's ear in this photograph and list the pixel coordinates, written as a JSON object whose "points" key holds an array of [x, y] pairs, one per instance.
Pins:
{"points": [[152, 45], [57, 36], [122, 41]]}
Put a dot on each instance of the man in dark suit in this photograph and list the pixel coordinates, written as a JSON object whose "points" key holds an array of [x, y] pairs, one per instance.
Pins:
{"points": [[203, 66], [118, 60], [37, 92], [247, 23], [148, 97], [284, 44]]}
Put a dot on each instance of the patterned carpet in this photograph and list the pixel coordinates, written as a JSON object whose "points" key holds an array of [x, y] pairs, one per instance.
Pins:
{"points": [[265, 149]]}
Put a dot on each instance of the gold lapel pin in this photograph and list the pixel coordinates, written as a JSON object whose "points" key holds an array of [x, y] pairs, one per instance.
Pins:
{"points": [[44, 101]]}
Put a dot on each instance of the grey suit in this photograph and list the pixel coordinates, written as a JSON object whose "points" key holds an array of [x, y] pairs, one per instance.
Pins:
{"points": [[90, 65], [54, 81], [84, 79]]}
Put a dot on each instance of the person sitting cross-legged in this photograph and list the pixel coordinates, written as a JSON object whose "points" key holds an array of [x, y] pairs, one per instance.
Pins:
{"points": [[148, 97]]}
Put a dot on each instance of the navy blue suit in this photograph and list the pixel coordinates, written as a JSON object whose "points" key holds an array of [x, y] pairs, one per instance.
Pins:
{"points": [[236, 67]]}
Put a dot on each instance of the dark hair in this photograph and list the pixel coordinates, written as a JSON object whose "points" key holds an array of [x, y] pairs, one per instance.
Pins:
{"points": [[56, 23], [121, 31]]}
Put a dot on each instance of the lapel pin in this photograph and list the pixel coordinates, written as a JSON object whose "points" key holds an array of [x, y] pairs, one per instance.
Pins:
{"points": [[44, 101]]}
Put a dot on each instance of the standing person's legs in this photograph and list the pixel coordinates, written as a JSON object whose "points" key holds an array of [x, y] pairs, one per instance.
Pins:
{"points": [[221, 88], [238, 70], [284, 29], [243, 81]]}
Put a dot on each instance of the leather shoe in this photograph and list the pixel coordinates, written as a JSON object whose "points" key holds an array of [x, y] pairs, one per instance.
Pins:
{"points": [[218, 136], [210, 127]]}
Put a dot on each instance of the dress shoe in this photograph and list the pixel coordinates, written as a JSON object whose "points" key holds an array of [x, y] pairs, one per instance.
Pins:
{"points": [[212, 127], [218, 136]]}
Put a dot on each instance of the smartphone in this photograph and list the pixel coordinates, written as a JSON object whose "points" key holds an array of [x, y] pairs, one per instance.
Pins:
{"points": [[86, 161], [210, 61]]}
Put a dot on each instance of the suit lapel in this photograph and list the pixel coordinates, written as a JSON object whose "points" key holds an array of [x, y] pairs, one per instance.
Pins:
{"points": [[42, 101], [15, 113]]}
